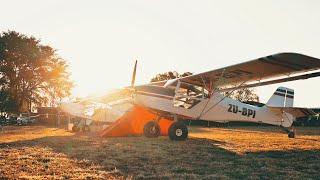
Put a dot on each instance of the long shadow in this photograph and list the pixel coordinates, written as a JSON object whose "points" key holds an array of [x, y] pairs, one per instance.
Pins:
{"points": [[238, 128], [307, 139], [260, 129], [195, 158]]}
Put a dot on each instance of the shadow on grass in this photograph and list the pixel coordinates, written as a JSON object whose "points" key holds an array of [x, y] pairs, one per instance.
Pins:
{"points": [[195, 158], [308, 139], [309, 131]]}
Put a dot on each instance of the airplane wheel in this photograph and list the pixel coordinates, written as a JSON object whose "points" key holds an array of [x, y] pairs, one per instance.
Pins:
{"points": [[86, 128], [178, 131], [151, 129], [291, 134], [75, 129]]}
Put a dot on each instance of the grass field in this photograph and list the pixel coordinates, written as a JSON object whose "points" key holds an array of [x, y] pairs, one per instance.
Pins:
{"points": [[38, 152]]}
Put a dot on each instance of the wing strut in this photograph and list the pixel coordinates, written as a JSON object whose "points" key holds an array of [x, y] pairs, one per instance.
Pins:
{"points": [[202, 112], [212, 90]]}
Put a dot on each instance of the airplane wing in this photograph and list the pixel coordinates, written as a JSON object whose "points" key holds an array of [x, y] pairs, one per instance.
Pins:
{"points": [[159, 83], [271, 69]]}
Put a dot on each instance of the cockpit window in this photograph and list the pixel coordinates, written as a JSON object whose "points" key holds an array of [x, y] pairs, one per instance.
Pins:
{"points": [[187, 95]]}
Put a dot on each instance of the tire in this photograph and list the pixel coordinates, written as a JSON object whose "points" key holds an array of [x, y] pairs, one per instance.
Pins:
{"points": [[86, 128], [151, 129], [75, 129], [178, 131], [291, 134]]}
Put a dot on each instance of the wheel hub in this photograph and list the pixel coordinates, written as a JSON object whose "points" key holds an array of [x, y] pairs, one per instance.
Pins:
{"points": [[153, 130], [178, 132]]}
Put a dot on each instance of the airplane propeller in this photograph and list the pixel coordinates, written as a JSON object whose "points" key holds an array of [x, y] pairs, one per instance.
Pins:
{"points": [[133, 79]]}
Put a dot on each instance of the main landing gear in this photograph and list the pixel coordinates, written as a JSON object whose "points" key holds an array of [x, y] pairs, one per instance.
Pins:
{"points": [[177, 131]]}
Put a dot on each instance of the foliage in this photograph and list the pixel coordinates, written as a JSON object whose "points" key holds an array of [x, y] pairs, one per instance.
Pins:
{"points": [[243, 95], [169, 75], [30, 73], [7, 104]]}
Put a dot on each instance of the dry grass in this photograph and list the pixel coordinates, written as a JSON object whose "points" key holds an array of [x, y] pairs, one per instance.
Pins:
{"points": [[36, 152], [243, 140], [227, 153]]}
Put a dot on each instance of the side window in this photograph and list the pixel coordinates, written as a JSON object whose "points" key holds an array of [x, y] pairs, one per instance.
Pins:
{"points": [[187, 96]]}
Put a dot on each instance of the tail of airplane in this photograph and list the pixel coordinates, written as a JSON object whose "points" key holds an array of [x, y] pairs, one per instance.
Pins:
{"points": [[282, 97], [281, 102]]}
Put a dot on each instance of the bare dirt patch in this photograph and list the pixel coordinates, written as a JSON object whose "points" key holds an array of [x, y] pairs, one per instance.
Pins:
{"points": [[209, 153]]}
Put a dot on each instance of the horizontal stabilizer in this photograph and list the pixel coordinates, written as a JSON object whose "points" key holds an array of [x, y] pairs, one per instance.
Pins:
{"points": [[295, 111]]}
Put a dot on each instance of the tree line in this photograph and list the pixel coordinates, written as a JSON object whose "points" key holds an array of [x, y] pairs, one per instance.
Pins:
{"points": [[31, 74]]}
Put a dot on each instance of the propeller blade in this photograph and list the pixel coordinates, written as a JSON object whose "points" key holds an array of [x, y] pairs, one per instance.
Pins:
{"points": [[134, 74]]}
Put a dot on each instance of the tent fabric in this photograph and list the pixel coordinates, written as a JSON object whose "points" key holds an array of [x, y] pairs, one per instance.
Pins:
{"points": [[132, 123]]}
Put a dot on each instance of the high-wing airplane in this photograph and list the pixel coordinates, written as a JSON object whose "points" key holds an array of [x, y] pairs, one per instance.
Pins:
{"points": [[199, 96]]}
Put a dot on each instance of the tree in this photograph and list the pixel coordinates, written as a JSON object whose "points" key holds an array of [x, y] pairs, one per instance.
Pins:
{"points": [[243, 95], [30, 73], [169, 75], [7, 104]]}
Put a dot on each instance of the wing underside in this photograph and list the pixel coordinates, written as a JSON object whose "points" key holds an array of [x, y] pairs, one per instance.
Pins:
{"points": [[271, 69]]}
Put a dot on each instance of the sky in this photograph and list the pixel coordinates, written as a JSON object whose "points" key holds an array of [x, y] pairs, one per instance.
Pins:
{"points": [[101, 39]]}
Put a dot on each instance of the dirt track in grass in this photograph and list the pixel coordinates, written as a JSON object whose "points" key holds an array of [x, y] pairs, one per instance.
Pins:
{"points": [[38, 152]]}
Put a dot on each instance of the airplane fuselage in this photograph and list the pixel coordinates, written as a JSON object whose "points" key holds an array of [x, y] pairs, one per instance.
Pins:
{"points": [[217, 108]]}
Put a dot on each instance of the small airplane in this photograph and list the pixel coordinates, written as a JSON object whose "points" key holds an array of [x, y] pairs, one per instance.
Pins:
{"points": [[198, 97]]}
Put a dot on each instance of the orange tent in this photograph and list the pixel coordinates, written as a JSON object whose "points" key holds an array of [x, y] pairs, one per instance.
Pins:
{"points": [[132, 123]]}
